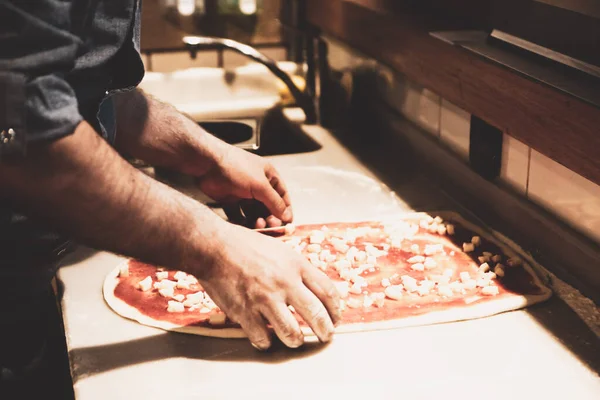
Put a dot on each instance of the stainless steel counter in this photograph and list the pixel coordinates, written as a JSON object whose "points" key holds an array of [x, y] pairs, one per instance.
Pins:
{"points": [[545, 352]]}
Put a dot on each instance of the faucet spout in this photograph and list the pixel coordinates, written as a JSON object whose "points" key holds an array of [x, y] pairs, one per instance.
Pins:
{"points": [[195, 43]]}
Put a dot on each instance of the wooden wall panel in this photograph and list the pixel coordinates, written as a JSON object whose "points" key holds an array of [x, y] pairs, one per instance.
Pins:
{"points": [[555, 124]]}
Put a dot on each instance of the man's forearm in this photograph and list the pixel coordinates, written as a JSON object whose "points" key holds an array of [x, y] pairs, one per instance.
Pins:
{"points": [[80, 185], [157, 133]]}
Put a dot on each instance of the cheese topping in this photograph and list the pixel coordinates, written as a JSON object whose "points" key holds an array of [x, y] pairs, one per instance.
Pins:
{"points": [[160, 275], [394, 292], [175, 307], [124, 270], [145, 284], [179, 275]]}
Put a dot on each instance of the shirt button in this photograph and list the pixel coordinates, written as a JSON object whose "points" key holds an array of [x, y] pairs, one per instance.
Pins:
{"points": [[7, 136]]}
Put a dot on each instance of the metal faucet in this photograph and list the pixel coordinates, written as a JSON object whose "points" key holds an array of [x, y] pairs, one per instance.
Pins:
{"points": [[195, 43]]}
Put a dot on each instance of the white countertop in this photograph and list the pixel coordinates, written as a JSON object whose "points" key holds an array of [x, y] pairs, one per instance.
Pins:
{"points": [[519, 355]]}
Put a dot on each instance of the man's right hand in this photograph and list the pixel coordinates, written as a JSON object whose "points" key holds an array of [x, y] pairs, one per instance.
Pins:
{"points": [[253, 278]]}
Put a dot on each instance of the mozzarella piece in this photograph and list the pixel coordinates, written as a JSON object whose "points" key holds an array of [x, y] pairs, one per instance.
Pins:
{"points": [[490, 290], [476, 240], [348, 274], [184, 284], [464, 276], [180, 275], [396, 241], [483, 259], [175, 306], [364, 267], [429, 263], [468, 247], [360, 256], [324, 254], [450, 229], [351, 253], [316, 237], [485, 267], [470, 284], [167, 292], [499, 270], [445, 291], [489, 275], [217, 319], [437, 219], [394, 292], [483, 282], [372, 260], [367, 301], [448, 272], [423, 290], [427, 284], [124, 270], [330, 258], [360, 280], [160, 275], [414, 248], [385, 282], [378, 299], [289, 229], [343, 288], [179, 297], [342, 265], [313, 258], [497, 258], [418, 267], [410, 283], [487, 254], [339, 245], [356, 288], [441, 230], [193, 299], [457, 286], [416, 259], [431, 249], [313, 248], [145, 284], [165, 284], [354, 302]]}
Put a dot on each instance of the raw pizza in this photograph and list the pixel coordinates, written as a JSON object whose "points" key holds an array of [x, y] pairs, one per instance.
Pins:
{"points": [[414, 270]]}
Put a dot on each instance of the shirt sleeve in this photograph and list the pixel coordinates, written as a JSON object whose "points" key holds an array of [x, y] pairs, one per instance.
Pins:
{"points": [[38, 49]]}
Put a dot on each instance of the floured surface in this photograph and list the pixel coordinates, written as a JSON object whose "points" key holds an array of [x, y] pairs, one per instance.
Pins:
{"points": [[511, 355]]}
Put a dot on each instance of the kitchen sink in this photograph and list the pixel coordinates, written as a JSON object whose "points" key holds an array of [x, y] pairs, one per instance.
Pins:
{"points": [[272, 134], [278, 136]]}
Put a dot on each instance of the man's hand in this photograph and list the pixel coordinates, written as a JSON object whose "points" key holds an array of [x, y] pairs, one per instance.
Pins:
{"points": [[158, 134], [242, 179], [254, 278]]}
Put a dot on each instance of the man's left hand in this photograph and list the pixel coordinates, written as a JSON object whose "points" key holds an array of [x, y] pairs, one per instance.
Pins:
{"points": [[247, 183]]}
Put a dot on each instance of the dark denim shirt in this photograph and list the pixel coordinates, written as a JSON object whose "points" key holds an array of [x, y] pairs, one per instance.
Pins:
{"points": [[60, 62]]}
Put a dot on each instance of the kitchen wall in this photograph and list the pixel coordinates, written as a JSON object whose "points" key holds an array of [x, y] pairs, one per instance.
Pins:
{"points": [[524, 171]]}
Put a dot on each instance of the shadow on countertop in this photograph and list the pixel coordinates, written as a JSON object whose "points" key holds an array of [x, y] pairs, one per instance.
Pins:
{"points": [[180, 345]]}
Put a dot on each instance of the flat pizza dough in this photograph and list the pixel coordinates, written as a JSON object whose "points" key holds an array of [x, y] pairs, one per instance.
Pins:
{"points": [[473, 311]]}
